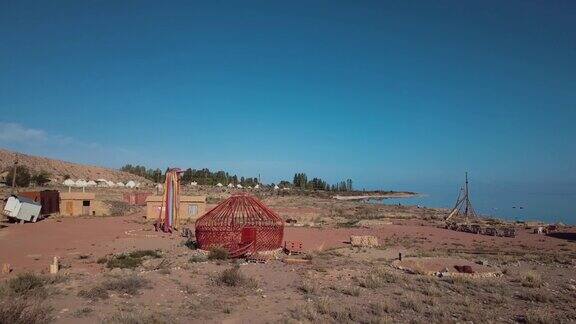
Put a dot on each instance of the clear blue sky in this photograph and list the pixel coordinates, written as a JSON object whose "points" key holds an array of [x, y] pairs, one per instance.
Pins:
{"points": [[381, 92]]}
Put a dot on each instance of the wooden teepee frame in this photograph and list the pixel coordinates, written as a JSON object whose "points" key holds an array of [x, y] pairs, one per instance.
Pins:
{"points": [[463, 205]]}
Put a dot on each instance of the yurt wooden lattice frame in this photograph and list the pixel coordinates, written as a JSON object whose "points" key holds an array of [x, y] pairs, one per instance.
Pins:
{"points": [[242, 225]]}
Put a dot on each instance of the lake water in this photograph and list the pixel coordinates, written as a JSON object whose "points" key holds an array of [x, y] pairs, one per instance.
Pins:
{"points": [[549, 203]]}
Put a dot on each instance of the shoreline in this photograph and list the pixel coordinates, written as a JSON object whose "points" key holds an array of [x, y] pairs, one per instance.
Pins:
{"points": [[378, 196]]}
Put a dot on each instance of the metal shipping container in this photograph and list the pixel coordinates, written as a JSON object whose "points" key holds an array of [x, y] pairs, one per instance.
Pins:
{"points": [[22, 208]]}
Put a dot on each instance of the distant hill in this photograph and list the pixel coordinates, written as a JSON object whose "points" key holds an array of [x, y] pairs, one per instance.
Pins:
{"points": [[58, 169]]}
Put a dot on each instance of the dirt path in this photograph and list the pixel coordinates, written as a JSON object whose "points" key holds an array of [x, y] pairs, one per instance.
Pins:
{"points": [[32, 246]]}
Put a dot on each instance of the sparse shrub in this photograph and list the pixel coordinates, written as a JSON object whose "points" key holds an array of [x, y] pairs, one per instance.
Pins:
{"points": [[189, 289], [539, 317], [539, 296], [131, 260], [531, 280], [27, 284], [232, 277], [191, 244], [128, 285], [218, 253], [377, 279], [102, 260], [379, 309], [307, 312], [94, 293], [144, 253], [198, 258], [308, 288], [323, 305], [123, 261], [351, 291], [410, 302], [24, 311], [139, 318], [83, 312]]}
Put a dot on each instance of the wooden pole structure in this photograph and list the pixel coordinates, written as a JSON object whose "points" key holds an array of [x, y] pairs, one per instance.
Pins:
{"points": [[14, 169]]}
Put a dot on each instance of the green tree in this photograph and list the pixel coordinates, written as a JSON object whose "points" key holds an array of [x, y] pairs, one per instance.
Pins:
{"points": [[41, 178], [23, 176]]}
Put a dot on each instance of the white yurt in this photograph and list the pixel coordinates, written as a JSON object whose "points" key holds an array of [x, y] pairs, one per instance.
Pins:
{"points": [[110, 183], [257, 186], [193, 183], [91, 183], [276, 187], [249, 187], [69, 183], [219, 184], [130, 184], [102, 182], [238, 186], [230, 185], [80, 183], [120, 184]]}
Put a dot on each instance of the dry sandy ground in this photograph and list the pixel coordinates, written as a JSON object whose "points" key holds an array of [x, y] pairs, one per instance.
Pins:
{"points": [[340, 284]]}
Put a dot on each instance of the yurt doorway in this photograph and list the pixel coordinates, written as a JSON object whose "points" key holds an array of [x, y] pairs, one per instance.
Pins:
{"points": [[248, 235]]}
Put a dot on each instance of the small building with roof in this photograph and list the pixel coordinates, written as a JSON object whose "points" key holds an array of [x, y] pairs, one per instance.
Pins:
{"points": [[81, 204], [191, 207]]}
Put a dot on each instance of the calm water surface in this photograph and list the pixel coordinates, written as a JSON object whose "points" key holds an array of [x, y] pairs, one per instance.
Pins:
{"points": [[549, 203]]}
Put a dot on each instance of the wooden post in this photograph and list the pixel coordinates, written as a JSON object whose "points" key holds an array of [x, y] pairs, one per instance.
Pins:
{"points": [[14, 175], [400, 256], [54, 266]]}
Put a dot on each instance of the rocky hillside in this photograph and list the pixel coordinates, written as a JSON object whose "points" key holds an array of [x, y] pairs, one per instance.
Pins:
{"points": [[58, 169]]}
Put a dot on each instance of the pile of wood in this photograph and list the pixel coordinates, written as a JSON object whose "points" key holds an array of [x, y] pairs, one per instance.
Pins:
{"points": [[478, 229], [364, 240]]}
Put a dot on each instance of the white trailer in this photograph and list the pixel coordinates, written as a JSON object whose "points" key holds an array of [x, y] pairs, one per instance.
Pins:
{"points": [[22, 208]]}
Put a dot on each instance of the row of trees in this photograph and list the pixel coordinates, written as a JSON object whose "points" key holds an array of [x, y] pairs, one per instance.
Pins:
{"points": [[301, 181], [207, 177], [200, 176], [155, 175], [24, 177]]}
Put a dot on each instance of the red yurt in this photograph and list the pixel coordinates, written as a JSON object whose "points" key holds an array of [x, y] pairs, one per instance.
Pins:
{"points": [[242, 225]]}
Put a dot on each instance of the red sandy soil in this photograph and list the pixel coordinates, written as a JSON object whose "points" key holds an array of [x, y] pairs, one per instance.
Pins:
{"points": [[438, 264], [31, 246]]}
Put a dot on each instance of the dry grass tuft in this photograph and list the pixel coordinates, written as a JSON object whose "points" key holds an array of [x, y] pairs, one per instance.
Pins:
{"points": [[232, 277], [137, 318], [218, 253], [377, 279], [27, 284], [539, 296], [531, 280], [24, 311], [126, 285]]}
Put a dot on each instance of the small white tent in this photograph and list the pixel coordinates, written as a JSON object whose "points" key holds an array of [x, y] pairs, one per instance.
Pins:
{"points": [[69, 183], [80, 183], [249, 187], [130, 184], [91, 183], [276, 187], [120, 184], [257, 186], [110, 183], [218, 184], [238, 186], [193, 183], [230, 185]]}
